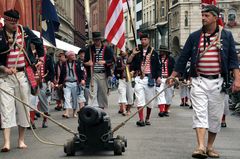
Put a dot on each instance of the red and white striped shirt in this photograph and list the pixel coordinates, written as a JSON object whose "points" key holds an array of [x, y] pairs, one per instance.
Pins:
{"points": [[146, 63], [209, 63], [16, 58], [164, 67]]}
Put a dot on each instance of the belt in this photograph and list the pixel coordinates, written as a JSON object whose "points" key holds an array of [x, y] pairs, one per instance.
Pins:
{"points": [[164, 76], [71, 81], [103, 71], [211, 76], [20, 69]]}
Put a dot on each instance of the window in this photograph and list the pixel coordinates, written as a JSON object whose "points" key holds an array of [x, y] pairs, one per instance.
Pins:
{"points": [[139, 15], [162, 12], [174, 2], [186, 19]]}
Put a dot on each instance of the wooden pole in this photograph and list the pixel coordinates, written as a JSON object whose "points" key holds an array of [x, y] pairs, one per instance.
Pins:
{"points": [[131, 21]]}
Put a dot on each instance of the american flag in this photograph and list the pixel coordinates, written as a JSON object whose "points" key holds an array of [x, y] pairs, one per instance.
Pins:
{"points": [[115, 25]]}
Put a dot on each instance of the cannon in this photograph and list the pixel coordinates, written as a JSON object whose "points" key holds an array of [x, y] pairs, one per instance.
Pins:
{"points": [[95, 134]]}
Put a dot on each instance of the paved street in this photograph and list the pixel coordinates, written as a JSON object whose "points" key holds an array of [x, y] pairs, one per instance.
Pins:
{"points": [[166, 138]]}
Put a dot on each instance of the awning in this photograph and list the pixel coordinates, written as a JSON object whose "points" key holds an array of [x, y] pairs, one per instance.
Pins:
{"points": [[59, 44], [45, 42], [66, 46]]}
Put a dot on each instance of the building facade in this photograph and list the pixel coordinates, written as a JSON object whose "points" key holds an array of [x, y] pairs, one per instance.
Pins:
{"points": [[162, 24], [65, 11], [28, 9], [231, 17], [185, 18], [149, 21], [98, 15], [130, 26], [138, 18], [79, 23]]}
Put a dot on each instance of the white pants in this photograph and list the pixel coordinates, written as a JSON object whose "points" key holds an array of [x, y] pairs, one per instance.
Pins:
{"points": [[207, 102], [143, 92], [70, 95], [161, 98], [34, 101], [12, 111], [226, 104], [125, 92], [169, 92], [184, 91]]}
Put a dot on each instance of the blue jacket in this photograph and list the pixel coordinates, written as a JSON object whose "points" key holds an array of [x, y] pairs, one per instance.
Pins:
{"points": [[190, 50]]}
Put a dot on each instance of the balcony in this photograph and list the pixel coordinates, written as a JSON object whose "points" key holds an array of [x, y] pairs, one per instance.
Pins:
{"points": [[148, 25]]}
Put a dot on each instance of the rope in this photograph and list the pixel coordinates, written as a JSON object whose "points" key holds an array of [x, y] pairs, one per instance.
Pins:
{"points": [[134, 114], [26, 105]]}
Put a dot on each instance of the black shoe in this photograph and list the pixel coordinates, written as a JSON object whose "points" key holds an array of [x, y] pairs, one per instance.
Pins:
{"points": [[161, 114], [166, 114], [147, 122], [181, 105], [33, 126], [47, 114], [44, 125], [38, 114], [120, 112], [58, 108], [186, 104], [190, 107], [223, 125], [140, 123]]}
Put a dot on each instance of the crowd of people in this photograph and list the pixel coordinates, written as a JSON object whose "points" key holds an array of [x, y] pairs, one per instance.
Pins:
{"points": [[75, 81]]}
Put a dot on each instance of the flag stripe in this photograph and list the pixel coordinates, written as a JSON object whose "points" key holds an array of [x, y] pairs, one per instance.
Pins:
{"points": [[115, 27], [113, 17]]}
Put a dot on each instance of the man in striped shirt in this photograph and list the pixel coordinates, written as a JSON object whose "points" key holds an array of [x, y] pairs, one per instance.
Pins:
{"points": [[147, 68], [12, 75], [213, 56], [98, 59]]}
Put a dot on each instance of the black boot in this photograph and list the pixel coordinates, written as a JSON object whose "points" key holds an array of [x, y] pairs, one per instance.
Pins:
{"points": [[44, 125]]}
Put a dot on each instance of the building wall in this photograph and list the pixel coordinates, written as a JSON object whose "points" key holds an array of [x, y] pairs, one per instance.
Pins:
{"points": [[138, 10], [130, 43], [148, 25], [98, 15], [185, 18], [189, 11], [162, 22], [79, 23], [26, 8], [65, 11]]}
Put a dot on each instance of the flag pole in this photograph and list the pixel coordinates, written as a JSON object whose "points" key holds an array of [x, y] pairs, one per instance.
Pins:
{"points": [[131, 21]]}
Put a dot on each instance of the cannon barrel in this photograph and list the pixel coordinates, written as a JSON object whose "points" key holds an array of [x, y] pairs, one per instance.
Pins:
{"points": [[91, 115]]}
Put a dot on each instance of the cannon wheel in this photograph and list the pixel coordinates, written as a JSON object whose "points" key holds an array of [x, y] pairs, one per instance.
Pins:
{"points": [[124, 140], [69, 148], [118, 148]]}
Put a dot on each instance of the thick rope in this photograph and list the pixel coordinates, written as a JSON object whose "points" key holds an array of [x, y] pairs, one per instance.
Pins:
{"points": [[26, 105]]}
